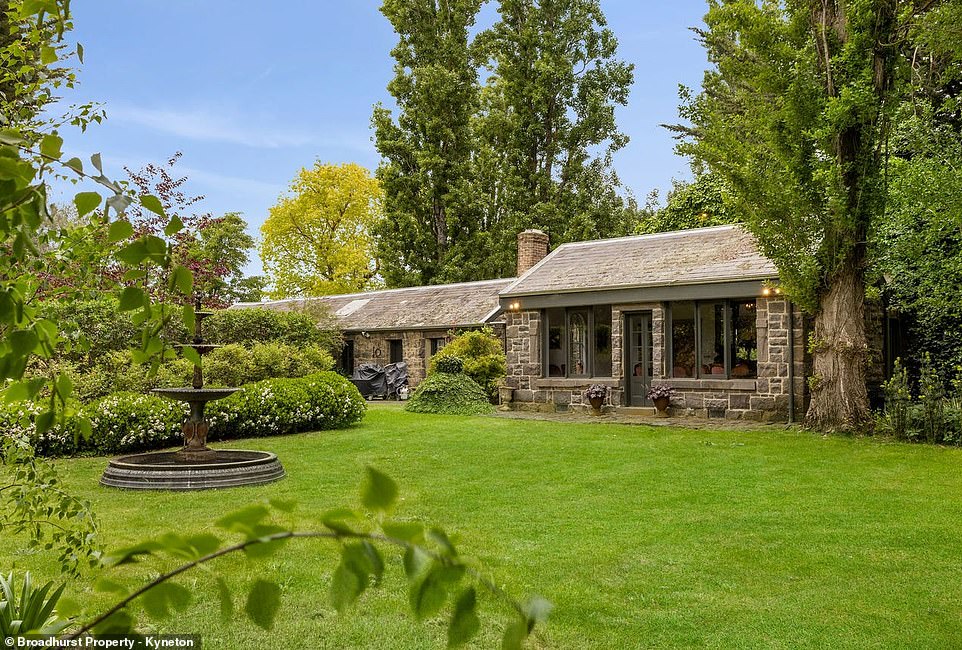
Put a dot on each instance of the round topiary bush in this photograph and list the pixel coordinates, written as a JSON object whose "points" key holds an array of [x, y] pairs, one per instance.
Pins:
{"points": [[449, 394], [451, 365], [482, 353]]}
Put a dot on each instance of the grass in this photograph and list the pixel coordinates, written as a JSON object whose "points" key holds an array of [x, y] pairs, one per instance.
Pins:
{"points": [[641, 537]]}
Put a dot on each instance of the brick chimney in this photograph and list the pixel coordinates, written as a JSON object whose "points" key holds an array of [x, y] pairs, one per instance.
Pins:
{"points": [[532, 247]]}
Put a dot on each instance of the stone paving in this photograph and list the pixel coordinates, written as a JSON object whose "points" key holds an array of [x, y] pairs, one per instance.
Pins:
{"points": [[613, 417]]}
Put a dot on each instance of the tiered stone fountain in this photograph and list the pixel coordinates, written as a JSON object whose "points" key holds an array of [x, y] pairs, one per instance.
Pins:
{"points": [[196, 466]]}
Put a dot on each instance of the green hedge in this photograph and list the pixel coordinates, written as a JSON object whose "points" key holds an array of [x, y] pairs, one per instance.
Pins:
{"points": [[104, 328], [127, 422], [231, 365]]}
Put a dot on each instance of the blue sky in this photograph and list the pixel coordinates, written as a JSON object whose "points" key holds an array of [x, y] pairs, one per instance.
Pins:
{"points": [[252, 92]]}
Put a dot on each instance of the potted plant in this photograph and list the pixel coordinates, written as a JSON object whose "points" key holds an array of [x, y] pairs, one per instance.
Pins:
{"points": [[661, 395], [596, 394]]}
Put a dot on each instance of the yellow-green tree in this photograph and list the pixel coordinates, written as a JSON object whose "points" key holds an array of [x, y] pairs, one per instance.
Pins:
{"points": [[317, 239]]}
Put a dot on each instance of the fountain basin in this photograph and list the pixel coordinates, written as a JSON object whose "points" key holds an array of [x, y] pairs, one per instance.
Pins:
{"points": [[220, 468]]}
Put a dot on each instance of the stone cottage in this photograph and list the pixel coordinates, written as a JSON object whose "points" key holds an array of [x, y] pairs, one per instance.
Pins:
{"points": [[413, 323], [699, 310], [409, 324]]}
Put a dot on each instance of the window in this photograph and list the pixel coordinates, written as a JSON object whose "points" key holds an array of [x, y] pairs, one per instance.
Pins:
{"points": [[602, 340], [397, 351], [683, 340], [556, 340], [714, 339], [436, 346], [744, 353], [578, 342], [347, 358]]}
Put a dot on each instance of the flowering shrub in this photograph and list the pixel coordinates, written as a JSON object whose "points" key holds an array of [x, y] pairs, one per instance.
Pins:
{"points": [[17, 421], [596, 390], [126, 422], [273, 407]]}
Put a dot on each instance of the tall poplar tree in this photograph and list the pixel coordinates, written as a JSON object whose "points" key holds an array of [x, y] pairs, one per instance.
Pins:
{"points": [[547, 125], [794, 115], [426, 168]]}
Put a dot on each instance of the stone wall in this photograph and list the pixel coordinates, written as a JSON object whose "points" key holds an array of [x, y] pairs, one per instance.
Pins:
{"points": [[762, 398], [415, 348]]}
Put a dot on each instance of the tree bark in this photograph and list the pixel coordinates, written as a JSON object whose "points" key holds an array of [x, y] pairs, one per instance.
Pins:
{"points": [[839, 395]]}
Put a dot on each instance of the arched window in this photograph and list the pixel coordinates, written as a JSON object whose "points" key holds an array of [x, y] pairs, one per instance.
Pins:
{"points": [[578, 345]]}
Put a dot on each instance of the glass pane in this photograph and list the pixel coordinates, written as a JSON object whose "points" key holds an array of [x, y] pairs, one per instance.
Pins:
{"points": [[744, 340], [683, 339], [578, 344], [602, 341], [556, 337], [712, 317], [648, 346]]}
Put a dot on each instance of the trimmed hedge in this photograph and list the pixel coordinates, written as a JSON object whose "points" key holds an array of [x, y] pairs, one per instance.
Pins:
{"points": [[449, 394], [128, 422]]}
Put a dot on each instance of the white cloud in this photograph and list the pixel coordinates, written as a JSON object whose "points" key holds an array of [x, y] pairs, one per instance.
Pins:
{"points": [[210, 126]]}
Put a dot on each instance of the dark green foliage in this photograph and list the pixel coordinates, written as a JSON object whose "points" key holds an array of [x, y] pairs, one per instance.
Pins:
{"points": [[448, 363], [425, 172], [249, 326], [483, 355], [705, 201], [932, 398], [918, 246], [449, 394], [467, 165], [231, 365], [935, 418]]}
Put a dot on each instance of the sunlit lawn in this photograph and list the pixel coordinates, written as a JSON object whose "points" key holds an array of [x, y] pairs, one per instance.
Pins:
{"points": [[641, 537]]}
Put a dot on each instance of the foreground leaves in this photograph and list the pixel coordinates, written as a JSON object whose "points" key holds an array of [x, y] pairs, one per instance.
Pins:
{"points": [[438, 577]]}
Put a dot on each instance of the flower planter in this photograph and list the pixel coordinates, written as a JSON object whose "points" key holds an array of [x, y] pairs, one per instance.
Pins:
{"points": [[505, 394], [661, 406], [596, 404]]}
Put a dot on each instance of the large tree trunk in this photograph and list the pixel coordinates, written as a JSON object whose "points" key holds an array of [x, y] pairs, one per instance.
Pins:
{"points": [[839, 395]]}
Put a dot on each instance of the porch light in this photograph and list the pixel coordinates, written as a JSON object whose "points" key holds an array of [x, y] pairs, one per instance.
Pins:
{"points": [[766, 291], [515, 306]]}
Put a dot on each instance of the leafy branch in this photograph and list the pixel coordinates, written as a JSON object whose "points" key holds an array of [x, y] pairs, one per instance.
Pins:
{"points": [[432, 565]]}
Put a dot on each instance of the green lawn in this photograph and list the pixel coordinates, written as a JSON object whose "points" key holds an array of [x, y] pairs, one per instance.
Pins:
{"points": [[641, 537]]}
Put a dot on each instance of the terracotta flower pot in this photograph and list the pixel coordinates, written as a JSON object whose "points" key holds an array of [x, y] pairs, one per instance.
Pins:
{"points": [[661, 406]]}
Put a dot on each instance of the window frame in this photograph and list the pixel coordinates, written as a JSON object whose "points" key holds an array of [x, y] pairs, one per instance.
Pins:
{"points": [[727, 334], [588, 312]]}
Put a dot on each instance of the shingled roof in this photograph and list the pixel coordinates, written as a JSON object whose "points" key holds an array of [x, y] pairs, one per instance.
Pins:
{"points": [[683, 257], [443, 306]]}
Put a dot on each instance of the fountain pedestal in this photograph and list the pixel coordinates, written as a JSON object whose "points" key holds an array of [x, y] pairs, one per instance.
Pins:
{"points": [[196, 466]]}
